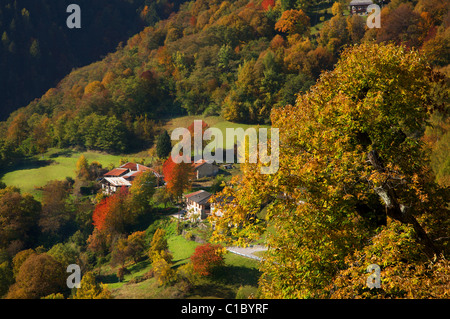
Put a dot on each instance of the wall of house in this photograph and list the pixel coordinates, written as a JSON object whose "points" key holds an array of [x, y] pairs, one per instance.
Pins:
{"points": [[207, 170], [194, 208]]}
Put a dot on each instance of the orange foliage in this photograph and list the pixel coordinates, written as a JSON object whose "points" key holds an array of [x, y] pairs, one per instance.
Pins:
{"points": [[105, 210], [177, 176], [266, 4], [293, 21]]}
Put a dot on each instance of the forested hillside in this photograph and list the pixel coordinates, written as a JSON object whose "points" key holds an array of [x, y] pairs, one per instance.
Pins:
{"points": [[238, 59], [37, 49], [364, 166]]}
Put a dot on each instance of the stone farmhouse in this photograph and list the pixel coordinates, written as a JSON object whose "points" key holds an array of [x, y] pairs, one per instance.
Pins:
{"points": [[203, 168]]}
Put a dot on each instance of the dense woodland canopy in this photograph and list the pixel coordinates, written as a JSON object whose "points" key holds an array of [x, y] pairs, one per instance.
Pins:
{"points": [[363, 117], [37, 49], [238, 59]]}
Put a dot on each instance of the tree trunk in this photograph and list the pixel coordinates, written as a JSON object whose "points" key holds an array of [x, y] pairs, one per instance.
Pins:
{"points": [[398, 211]]}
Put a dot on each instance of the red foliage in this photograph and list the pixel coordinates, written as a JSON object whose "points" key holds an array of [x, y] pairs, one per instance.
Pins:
{"points": [[206, 257], [204, 127], [177, 176], [99, 215], [267, 3], [168, 169], [193, 21], [104, 209]]}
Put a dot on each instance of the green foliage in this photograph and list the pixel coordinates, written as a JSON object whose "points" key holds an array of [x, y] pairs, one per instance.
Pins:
{"points": [[6, 277], [163, 145]]}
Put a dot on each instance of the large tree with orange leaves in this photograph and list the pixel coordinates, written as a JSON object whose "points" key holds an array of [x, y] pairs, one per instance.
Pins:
{"points": [[353, 187], [112, 213], [292, 22], [177, 176]]}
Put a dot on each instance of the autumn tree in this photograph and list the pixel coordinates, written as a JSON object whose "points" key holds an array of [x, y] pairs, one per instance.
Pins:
{"points": [[142, 190], [163, 271], [56, 213], [293, 22], [136, 245], [178, 177], [159, 246], [207, 257], [352, 165], [337, 9], [82, 167], [401, 26], [18, 219], [112, 214], [40, 275], [91, 289]]}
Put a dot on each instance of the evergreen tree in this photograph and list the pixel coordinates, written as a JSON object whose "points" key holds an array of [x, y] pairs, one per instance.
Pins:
{"points": [[163, 145]]}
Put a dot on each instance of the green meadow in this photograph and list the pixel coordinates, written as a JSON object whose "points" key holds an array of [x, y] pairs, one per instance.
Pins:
{"points": [[237, 271], [56, 164]]}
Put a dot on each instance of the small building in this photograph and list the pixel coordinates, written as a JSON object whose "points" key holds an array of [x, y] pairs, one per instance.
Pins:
{"points": [[359, 6], [203, 168], [197, 205], [124, 176], [110, 185]]}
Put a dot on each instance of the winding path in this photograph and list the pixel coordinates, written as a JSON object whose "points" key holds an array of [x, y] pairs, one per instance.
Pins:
{"points": [[247, 251]]}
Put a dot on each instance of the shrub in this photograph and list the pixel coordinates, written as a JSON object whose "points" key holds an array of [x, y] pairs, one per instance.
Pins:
{"points": [[207, 257], [163, 272]]}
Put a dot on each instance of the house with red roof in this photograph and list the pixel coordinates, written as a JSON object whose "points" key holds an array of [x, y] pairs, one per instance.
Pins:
{"points": [[124, 175]]}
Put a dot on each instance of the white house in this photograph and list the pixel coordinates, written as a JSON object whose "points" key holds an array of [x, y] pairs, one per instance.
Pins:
{"points": [[197, 205], [124, 175]]}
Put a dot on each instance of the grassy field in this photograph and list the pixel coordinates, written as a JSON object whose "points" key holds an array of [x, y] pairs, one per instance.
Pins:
{"points": [[236, 272], [56, 164], [212, 121]]}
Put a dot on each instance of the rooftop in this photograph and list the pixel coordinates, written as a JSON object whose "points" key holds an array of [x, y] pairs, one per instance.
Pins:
{"points": [[200, 197], [116, 172], [134, 167], [360, 2], [200, 162], [117, 181]]}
